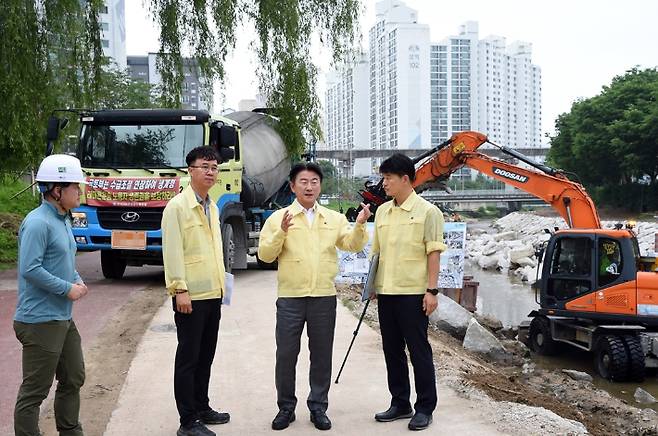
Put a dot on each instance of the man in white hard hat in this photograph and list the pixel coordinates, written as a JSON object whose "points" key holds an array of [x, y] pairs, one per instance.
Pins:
{"points": [[48, 284]]}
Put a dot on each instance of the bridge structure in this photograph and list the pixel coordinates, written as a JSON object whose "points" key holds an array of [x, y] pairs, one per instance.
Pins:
{"points": [[349, 155], [472, 199]]}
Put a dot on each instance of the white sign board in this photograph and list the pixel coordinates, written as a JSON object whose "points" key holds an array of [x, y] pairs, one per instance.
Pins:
{"points": [[353, 267], [451, 274]]}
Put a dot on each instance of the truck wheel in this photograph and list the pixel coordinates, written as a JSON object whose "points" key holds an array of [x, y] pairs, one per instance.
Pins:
{"points": [[541, 341], [112, 265], [264, 265], [636, 357], [611, 358], [229, 247]]}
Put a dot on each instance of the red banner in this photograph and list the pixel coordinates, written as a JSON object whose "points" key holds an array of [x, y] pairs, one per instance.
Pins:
{"points": [[131, 191]]}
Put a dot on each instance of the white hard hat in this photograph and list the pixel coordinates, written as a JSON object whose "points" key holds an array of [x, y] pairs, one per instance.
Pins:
{"points": [[60, 168]]}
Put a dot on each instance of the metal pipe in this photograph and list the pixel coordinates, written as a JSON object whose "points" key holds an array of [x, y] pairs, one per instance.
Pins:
{"points": [[523, 158], [567, 203]]}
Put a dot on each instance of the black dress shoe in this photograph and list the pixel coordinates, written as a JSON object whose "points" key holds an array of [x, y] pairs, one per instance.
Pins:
{"points": [[195, 428], [211, 417], [420, 421], [283, 419], [393, 413], [320, 420]]}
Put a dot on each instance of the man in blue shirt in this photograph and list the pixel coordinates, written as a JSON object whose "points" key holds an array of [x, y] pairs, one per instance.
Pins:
{"points": [[48, 284]]}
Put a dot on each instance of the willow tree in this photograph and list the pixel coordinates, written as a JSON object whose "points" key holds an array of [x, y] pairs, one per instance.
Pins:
{"points": [[208, 30], [50, 56]]}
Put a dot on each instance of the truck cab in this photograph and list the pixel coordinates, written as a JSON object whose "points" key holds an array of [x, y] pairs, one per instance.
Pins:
{"points": [[134, 161]]}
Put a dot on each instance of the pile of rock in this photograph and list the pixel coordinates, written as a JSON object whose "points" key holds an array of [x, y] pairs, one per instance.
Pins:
{"points": [[513, 248], [460, 323]]}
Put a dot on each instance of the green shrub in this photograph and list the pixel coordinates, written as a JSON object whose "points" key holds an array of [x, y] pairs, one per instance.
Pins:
{"points": [[12, 212]]}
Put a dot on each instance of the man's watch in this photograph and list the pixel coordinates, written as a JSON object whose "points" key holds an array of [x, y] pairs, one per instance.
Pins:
{"points": [[433, 291]]}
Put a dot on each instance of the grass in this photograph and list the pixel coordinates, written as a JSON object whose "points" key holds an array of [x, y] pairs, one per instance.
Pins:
{"points": [[12, 212], [335, 205]]}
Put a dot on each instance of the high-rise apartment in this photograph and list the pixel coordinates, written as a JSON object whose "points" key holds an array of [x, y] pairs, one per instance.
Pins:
{"points": [[419, 93], [346, 121], [144, 68], [485, 85], [399, 78], [113, 31]]}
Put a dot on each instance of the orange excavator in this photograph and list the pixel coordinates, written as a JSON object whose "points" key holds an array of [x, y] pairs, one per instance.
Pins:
{"points": [[595, 291]]}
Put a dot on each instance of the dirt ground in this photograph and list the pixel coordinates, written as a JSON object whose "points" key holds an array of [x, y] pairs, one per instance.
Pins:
{"points": [[107, 361], [504, 379]]}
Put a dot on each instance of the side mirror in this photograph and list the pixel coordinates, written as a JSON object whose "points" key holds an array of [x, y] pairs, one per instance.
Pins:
{"points": [[226, 153], [213, 140], [228, 136], [224, 139], [223, 135], [52, 133], [540, 254]]}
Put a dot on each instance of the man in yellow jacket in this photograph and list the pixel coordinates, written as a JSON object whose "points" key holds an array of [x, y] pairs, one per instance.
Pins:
{"points": [[409, 239], [303, 237], [194, 276]]}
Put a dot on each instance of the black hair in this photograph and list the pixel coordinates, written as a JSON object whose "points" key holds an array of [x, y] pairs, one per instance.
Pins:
{"points": [[399, 164], [305, 166], [203, 152]]}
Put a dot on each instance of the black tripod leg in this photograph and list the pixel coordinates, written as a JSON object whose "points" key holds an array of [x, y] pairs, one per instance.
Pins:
{"points": [[353, 338]]}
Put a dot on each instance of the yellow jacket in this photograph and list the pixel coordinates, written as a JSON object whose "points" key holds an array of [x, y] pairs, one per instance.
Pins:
{"points": [[308, 262], [404, 236], [192, 250]]}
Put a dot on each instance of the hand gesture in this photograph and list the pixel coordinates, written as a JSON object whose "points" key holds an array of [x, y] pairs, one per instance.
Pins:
{"points": [[77, 291], [364, 214], [286, 222]]}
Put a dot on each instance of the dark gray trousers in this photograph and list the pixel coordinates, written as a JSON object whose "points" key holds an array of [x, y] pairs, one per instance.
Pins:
{"points": [[319, 314]]}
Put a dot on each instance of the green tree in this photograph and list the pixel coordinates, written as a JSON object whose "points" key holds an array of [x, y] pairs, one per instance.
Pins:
{"points": [[328, 168], [118, 90], [50, 56], [285, 29], [611, 141]]}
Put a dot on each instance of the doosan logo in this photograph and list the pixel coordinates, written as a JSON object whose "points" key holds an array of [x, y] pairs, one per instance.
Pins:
{"points": [[509, 175]]}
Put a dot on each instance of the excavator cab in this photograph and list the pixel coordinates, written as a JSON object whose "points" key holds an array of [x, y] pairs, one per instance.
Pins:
{"points": [[590, 271], [567, 271]]}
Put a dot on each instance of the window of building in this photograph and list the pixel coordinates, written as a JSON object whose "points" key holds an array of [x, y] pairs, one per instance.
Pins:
{"points": [[105, 43], [105, 27], [104, 9]]}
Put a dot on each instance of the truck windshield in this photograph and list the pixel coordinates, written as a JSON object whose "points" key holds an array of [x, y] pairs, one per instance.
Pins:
{"points": [[138, 146]]}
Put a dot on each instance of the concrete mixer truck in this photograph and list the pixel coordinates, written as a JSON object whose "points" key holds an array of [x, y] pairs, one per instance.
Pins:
{"points": [[134, 161]]}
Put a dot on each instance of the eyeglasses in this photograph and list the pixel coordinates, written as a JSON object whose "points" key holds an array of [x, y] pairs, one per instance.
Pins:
{"points": [[206, 168]]}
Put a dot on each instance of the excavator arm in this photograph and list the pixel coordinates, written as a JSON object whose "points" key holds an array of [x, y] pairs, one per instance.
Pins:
{"points": [[568, 198]]}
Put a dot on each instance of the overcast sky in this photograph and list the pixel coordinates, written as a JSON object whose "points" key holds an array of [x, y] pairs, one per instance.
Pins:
{"points": [[580, 45]]}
